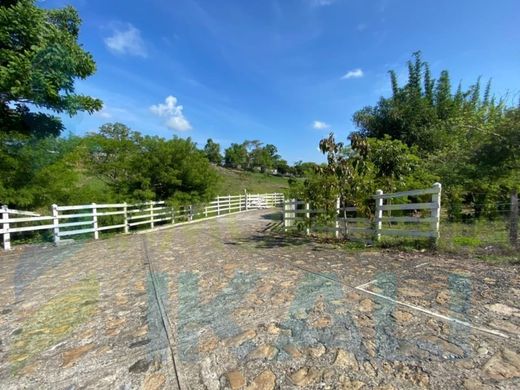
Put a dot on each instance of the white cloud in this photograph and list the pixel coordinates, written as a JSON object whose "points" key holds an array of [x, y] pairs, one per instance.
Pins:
{"points": [[126, 40], [318, 125], [353, 74], [175, 119]]}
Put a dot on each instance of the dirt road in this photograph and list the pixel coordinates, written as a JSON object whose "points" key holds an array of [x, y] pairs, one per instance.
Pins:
{"points": [[229, 304]]}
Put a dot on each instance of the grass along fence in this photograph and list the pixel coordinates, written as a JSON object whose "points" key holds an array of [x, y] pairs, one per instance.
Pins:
{"points": [[84, 220], [401, 214], [490, 235]]}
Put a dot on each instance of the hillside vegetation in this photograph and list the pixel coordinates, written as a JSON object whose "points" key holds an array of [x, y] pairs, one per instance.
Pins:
{"points": [[233, 181]]}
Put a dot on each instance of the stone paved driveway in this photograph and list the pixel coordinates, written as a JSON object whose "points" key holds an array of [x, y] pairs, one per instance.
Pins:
{"points": [[229, 304]]}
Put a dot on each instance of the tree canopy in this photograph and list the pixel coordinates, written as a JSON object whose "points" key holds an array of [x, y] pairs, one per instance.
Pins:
{"points": [[212, 152], [426, 131], [141, 167], [427, 113], [254, 155], [40, 58]]}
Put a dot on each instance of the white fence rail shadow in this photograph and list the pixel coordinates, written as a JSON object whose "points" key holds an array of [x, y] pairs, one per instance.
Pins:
{"points": [[349, 222], [93, 218]]}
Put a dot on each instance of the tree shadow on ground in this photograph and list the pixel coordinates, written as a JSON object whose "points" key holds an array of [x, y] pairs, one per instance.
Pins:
{"points": [[275, 216], [273, 240]]}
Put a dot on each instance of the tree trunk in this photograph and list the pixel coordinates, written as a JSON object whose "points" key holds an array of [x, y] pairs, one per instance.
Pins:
{"points": [[513, 225]]}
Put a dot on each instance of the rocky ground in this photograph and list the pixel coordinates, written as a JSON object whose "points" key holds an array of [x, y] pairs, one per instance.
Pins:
{"points": [[229, 304]]}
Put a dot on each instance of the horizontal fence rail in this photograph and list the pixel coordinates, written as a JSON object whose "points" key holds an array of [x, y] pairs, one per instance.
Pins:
{"points": [[349, 222], [67, 221]]}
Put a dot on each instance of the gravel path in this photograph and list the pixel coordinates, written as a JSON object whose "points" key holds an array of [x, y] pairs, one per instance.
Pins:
{"points": [[227, 303]]}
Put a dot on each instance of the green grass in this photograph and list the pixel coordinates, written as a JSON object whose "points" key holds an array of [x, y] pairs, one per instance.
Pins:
{"points": [[234, 182], [462, 241], [474, 236], [487, 240]]}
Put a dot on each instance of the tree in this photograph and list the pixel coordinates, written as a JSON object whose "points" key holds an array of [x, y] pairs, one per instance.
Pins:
{"points": [[140, 167], [236, 156], [39, 60], [498, 155], [396, 167], [212, 152], [304, 168], [347, 168], [354, 172], [497, 159], [425, 112], [446, 128], [111, 155], [173, 170], [282, 167], [42, 171], [272, 156], [253, 153], [263, 157]]}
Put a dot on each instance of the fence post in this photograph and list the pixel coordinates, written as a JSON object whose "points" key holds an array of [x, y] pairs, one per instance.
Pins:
{"points": [[285, 225], [5, 227], [338, 210], [190, 217], [307, 218], [95, 221], [205, 211], [513, 222], [152, 225], [229, 203], [218, 205], [56, 223], [436, 211], [125, 210], [173, 215], [379, 214], [245, 191], [292, 222]]}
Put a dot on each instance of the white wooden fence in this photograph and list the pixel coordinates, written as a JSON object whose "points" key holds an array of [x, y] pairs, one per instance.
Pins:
{"points": [[67, 221], [424, 221]]}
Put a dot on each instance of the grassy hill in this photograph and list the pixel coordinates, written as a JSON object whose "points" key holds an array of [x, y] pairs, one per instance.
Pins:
{"points": [[234, 182]]}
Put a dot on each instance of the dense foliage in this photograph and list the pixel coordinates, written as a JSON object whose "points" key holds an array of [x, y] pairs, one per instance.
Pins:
{"points": [[426, 113], [254, 155], [212, 152], [354, 172], [141, 167], [112, 165], [39, 60], [423, 132]]}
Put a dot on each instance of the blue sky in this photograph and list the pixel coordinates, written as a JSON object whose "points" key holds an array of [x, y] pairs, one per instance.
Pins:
{"points": [[285, 72]]}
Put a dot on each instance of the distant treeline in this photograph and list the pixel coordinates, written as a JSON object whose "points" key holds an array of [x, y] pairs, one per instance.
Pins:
{"points": [[255, 156]]}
